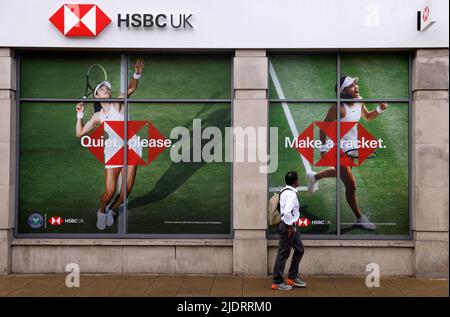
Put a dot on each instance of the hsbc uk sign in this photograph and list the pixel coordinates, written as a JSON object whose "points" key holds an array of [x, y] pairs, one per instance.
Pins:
{"points": [[88, 20], [80, 20]]}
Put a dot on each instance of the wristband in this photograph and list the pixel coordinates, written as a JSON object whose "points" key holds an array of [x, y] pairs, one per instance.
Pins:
{"points": [[80, 115], [379, 110], [137, 76], [323, 148]]}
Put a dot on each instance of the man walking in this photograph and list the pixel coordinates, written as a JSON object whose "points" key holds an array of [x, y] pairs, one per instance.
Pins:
{"points": [[289, 237]]}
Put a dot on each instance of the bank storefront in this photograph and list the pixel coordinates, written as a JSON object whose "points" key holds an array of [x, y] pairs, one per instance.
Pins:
{"points": [[216, 104]]}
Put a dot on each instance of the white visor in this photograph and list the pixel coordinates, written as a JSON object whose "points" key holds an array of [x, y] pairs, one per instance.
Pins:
{"points": [[347, 82], [103, 83]]}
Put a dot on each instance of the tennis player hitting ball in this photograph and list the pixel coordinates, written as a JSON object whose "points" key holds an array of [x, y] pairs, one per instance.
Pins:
{"points": [[349, 112], [104, 112]]}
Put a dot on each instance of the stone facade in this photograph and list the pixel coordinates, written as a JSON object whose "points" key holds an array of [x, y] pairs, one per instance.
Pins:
{"points": [[7, 155], [249, 253], [430, 162]]}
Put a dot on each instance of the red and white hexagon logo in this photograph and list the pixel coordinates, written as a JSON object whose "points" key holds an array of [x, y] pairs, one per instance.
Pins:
{"points": [[55, 221], [304, 222], [80, 20]]}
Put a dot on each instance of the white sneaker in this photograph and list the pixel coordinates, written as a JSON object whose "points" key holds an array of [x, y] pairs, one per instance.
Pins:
{"points": [[109, 216], [313, 183], [365, 223], [101, 220]]}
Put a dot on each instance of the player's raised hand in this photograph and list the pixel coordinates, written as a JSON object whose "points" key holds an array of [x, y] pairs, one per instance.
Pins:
{"points": [[80, 107], [383, 106], [139, 65]]}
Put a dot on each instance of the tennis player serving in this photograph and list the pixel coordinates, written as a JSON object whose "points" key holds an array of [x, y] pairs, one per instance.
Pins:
{"points": [[349, 112], [104, 112]]}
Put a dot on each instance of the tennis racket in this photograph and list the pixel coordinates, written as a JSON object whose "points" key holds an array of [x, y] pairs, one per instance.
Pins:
{"points": [[353, 153], [95, 75]]}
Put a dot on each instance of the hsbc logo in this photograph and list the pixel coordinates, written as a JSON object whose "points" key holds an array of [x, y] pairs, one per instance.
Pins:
{"points": [[304, 222], [96, 144], [86, 20], [56, 221]]}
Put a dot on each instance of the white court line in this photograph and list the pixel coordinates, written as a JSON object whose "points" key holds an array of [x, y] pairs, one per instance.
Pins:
{"points": [[287, 112], [123, 74], [291, 123]]}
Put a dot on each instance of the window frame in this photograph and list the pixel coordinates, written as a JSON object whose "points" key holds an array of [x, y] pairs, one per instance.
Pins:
{"points": [[338, 100], [125, 55]]}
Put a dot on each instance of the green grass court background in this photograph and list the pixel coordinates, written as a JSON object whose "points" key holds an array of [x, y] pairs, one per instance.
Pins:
{"points": [[64, 75], [382, 183], [60, 178]]}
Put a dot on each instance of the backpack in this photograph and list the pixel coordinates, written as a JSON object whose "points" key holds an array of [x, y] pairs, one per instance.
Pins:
{"points": [[274, 214]]}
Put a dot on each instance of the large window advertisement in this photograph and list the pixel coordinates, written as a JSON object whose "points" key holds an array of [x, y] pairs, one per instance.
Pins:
{"points": [[77, 174], [344, 117]]}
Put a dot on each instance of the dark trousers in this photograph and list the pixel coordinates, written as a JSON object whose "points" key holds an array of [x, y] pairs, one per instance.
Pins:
{"points": [[289, 238]]}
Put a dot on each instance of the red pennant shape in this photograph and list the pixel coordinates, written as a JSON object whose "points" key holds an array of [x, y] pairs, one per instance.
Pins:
{"points": [[154, 151], [364, 152], [96, 137], [57, 19], [306, 136], [102, 20]]}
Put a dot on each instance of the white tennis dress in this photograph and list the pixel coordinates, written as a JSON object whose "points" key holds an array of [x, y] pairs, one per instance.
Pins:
{"points": [[116, 142], [352, 114]]}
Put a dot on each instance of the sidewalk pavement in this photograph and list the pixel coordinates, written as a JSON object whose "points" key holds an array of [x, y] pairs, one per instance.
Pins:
{"points": [[53, 285]]}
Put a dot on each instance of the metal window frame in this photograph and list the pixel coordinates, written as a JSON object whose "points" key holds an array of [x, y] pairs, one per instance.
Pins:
{"points": [[125, 101], [338, 100]]}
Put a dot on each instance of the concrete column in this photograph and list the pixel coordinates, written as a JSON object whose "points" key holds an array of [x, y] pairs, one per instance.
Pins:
{"points": [[7, 155], [250, 110], [430, 162]]}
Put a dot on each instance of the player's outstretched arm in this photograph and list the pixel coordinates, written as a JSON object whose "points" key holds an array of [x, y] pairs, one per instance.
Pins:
{"points": [[82, 129], [138, 66], [370, 115]]}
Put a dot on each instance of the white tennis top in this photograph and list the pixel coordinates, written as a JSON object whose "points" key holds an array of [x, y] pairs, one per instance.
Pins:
{"points": [[289, 205], [352, 114]]}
